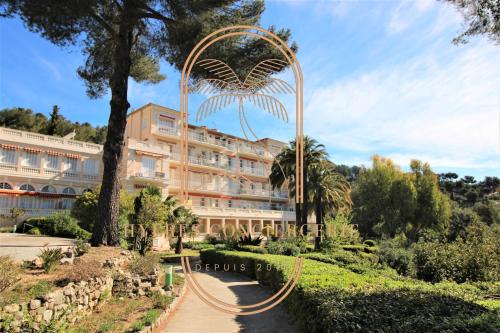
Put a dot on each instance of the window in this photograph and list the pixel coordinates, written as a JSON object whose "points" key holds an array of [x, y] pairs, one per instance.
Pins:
{"points": [[48, 189], [69, 190], [167, 121], [90, 166], [30, 159], [229, 161], [252, 164], [148, 166], [216, 203], [7, 156], [27, 202], [5, 201], [5, 186], [52, 162], [67, 203], [47, 203], [202, 202], [71, 164], [27, 187], [230, 203], [241, 163]]}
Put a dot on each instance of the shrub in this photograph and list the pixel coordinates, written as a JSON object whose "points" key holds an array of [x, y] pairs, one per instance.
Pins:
{"points": [[144, 265], [248, 240], [220, 246], [51, 258], [9, 272], [474, 259], [160, 301], [283, 248], [253, 248], [34, 231], [332, 299], [395, 254], [81, 247], [60, 224], [369, 242]]}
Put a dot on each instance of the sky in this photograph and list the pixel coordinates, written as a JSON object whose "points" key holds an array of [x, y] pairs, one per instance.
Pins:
{"points": [[380, 77]]}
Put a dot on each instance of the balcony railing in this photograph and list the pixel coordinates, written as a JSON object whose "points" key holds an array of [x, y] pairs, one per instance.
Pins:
{"points": [[35, 171], [22, 137], [33, 211], [244, 212], [151, 174]]}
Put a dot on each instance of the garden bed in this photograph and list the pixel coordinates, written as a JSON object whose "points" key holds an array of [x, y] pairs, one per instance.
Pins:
{"points": [[329, 298]]}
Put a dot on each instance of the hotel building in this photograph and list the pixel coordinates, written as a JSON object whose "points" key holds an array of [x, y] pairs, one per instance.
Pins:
{"points": [[228, 176]]}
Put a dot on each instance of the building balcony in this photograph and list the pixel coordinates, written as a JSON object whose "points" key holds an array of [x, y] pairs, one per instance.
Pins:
{"points": [[36, 172], [28, 138], [32, 212], [219, 212], [157, 176], [159, 149]]}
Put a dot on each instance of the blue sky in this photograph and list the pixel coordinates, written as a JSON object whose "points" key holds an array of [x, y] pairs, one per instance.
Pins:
{"points": [[381, 77]]}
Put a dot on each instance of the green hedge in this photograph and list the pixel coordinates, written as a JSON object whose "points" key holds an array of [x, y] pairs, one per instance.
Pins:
{"points": [[61, 224], [329, 298]]}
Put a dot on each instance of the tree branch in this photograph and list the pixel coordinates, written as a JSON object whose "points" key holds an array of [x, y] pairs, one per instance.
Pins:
{"points": [[151, 13], [103, 23]]}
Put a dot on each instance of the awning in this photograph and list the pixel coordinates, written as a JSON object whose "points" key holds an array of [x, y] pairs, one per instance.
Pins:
{"points": [[32, 150], [7, 146]]}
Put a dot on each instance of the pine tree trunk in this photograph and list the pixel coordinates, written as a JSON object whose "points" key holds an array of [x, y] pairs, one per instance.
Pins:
{"points": [[106, 229]]}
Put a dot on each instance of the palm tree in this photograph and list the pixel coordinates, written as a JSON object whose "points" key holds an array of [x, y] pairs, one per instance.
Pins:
{"points": [[331, 193], [179, 216], [283, 172], [256, 88]]}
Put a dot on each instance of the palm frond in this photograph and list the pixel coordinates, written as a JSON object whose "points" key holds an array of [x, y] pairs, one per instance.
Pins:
{"points": [[262, 71], [268, 104], [272, 86], [221, 70], [211, 86], [213, 104]]}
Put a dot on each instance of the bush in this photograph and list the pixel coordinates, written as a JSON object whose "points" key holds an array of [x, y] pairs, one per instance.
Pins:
{"points": [[329, 298], [50, 258], [81, 246], [220, 246], [283, 248], [253, 249], [477, 258], [60, 224], [395, 254], [9, 272], [34, 231], [248, 240], [369, 242], [144, 265], [160, 301]]}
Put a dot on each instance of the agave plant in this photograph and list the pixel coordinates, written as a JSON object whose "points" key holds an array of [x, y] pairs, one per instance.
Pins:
{"points": [[257, 88]]}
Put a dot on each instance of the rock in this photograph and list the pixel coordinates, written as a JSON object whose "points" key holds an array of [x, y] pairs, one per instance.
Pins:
{"points": [[47, 315], [35, 304], [11, 308], [141, 292], [37, 263], [67, 261]]}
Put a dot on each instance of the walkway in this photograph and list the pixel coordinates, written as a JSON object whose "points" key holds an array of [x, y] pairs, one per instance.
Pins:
{"points": [[194, 316], [27, 247]]}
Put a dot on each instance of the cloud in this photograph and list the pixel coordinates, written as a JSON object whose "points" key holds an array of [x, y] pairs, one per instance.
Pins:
{"points": [[51, 67], [406, 13], [439, 106]]}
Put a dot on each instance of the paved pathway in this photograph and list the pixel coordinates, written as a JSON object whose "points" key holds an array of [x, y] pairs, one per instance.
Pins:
{"points": [[27, 247], [194, 316]]}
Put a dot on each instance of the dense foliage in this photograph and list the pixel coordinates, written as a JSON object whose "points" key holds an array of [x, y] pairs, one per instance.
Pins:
{"points": [[56, 124], [60, 224], [388, 201], [330, 298]]}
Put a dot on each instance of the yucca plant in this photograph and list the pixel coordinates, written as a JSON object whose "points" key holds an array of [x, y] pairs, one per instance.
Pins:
{"points": [[248, 240], [50, 258]]}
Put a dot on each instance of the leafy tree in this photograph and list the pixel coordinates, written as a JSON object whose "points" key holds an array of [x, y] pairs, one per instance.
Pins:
{"points": [[125, 39], [388, 201], [482, 18], [22, 119], [150, 214], [461, 218], [283, 172]]}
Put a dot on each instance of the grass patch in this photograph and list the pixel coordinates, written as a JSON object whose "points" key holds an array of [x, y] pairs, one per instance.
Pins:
{"points": [[23, 292]]}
